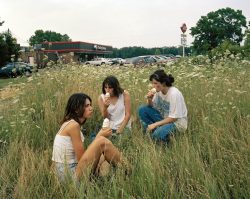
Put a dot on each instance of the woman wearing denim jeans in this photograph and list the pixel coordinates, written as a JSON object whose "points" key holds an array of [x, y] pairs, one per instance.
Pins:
{"points": [[166, 111]]}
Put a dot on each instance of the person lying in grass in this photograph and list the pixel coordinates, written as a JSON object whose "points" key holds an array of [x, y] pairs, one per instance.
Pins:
{"points": [[69, 155], [165, 112]]}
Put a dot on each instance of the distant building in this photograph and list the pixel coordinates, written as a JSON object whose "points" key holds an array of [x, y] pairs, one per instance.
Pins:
{"points": [[74, 51], [65, 52]]}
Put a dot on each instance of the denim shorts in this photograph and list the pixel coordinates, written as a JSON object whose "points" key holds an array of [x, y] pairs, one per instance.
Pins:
{"points": [[65, 171]]}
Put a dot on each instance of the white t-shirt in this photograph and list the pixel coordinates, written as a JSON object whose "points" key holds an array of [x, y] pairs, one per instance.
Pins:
{"points": [[172, 105]]}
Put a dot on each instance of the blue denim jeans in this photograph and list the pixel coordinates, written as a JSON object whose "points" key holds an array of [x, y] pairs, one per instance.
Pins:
{"points": [[148, 115], [65, 171]]}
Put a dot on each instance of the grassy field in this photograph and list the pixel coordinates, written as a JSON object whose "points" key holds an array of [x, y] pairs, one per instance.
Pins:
{"points": [[11, 81], [211, 160]]}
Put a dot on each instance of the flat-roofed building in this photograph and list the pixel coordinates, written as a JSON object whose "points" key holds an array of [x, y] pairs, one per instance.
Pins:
{"points": [[73, 51]]}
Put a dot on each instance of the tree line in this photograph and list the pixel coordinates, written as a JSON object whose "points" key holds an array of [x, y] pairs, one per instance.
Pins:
{"points": [[135, 51], [219, 30]]}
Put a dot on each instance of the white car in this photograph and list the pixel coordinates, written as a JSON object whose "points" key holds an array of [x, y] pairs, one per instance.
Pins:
{"points": [[118, 61], [98, 61]]}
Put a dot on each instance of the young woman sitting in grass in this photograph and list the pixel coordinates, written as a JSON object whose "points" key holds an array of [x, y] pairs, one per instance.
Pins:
{"points": [[166, 111], [69, 155], [115, 104]]}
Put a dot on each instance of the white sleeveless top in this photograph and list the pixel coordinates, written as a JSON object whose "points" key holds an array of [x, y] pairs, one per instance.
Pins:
{"points": [[63, 151], [117, 113]]}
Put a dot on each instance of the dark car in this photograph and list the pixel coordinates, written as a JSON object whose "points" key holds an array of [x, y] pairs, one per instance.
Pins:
{"points": [[148, 59], [15, 68]]}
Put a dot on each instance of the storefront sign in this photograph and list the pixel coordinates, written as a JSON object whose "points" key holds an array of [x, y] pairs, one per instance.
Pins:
{"points": [[98, 47]]}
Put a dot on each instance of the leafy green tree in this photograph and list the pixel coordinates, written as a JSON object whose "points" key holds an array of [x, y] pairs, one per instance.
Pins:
{"points": [[247, 40], [1, 23], [157, 51], [41, 36], [134, 51], [3, 51], [225, 49], [8, 47], [211, 30], [246, 46]]}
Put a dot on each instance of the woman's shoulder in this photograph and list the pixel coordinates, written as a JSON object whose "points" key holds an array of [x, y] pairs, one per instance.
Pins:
{"points": [[73, 125], [174, 90], [68, 127], [101, 96]]}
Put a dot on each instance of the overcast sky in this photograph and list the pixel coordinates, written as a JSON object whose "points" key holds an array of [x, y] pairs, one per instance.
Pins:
{"points": [[119, 23]]}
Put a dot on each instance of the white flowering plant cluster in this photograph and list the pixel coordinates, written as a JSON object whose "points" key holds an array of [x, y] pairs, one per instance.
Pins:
{"points": [[213, 155]]}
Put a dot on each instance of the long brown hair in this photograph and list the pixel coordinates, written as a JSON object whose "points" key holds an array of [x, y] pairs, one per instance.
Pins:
{"points": [[75, 107]]}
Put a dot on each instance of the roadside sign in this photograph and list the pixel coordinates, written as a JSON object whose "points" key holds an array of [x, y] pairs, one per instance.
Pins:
{"points": [[183, 28]]}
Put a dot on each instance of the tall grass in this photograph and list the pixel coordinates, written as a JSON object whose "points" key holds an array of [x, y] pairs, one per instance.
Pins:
{"points": [[210, 160]]}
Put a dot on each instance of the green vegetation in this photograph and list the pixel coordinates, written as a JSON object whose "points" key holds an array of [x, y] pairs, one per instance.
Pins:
{"points": [[211, 160], [8, 48], [11, 81], [48, 35], [134, 51], [213, 29]]}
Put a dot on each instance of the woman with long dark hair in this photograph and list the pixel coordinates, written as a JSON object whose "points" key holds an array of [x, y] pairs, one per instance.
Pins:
{"points": [[69, 155]]}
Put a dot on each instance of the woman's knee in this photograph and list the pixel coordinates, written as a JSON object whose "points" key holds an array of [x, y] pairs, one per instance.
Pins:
{"points": [[142, 109], [163, 132], [102, 141], [160, 135]]}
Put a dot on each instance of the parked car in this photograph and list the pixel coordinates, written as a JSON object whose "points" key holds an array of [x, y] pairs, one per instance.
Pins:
{"points": [[98, 61], [160, 59], [15, 68], [118, 61], [147, 59]]}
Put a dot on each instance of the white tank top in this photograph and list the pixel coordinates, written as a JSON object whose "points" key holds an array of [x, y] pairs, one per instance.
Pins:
{"points": [[117, 113], [63, 151]]}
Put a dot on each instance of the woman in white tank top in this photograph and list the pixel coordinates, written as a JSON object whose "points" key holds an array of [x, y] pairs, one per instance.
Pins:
{"points": [[69, 155], [115, 104]]}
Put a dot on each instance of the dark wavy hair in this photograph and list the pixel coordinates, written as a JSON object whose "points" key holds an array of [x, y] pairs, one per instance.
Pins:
{"points": [[112, 82], [75, 107], [162, 77]]}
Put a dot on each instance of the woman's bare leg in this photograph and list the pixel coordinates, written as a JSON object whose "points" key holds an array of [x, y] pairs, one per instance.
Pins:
{"points": [[91, 156]]}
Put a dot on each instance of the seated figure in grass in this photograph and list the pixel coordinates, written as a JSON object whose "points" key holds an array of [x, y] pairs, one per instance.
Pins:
{"points": [[115, 104], [165, 112], [69, 155]]}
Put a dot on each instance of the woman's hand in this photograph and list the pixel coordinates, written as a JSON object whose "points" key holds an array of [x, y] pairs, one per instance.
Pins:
{"points": [[151, 127], [106, 101], [150, 94], [119, 130], [105, 132]]}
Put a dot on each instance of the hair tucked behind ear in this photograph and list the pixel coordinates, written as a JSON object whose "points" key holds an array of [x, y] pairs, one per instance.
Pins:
{"points": [[162, 77]]}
